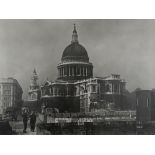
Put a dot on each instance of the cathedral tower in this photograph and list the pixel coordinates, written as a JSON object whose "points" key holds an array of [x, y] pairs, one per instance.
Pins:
{"points": [[34, 89]]}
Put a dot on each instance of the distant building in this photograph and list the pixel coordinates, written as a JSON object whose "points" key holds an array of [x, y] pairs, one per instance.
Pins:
{"points": [[145, 105], [10, 94], [33, 100], [76, 90], [34, 89]]}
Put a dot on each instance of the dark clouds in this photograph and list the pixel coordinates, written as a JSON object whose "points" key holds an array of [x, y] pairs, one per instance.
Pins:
{"points": [[126, 47]]}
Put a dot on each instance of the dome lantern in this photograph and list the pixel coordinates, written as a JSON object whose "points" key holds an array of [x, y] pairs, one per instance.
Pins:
{"points": [[74, 35]]}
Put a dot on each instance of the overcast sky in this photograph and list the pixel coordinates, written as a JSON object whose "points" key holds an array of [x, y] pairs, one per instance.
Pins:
{"points": [[125, 47]]}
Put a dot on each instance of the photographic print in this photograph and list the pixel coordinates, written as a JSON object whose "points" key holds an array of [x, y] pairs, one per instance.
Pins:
{"points": [[77, 77]]}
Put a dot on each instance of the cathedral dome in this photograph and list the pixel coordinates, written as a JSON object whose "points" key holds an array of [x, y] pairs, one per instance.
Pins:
{"points": [[75, 63], [75, 52]]}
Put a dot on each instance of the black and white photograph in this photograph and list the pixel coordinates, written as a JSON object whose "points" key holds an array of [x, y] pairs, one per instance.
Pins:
{"points": [[77, 77]]}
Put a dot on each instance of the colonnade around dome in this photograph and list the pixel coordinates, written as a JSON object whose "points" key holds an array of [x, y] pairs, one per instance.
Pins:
{"points": [[75, 71]]}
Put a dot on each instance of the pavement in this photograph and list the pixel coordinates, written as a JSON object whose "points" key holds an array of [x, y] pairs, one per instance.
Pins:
{"points": [[17, 127]]}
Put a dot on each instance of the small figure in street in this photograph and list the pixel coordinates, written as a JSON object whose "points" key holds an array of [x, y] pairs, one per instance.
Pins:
{"points": [[32, 121], [25, 119]]}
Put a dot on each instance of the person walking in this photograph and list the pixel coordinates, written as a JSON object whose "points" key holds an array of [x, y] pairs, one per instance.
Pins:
{"points": [[25, 119], [32, 121]]}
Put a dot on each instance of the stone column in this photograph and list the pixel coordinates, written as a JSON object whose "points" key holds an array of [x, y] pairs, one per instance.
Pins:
{"points": [[76, 70], [119, 88], [63, 72], [66, 71], [69, 71], [80, 70], [72, 70], [110, 87], [91, 71], [86, 71], [83, 70], [60, 72], [56, 91], [53, 91]]}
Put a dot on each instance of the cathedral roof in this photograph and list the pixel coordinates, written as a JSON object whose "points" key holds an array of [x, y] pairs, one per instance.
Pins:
{"points": [[75, 51]]}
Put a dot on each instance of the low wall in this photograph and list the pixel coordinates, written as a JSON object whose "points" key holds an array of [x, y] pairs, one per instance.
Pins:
{"points": [[87, 128]]}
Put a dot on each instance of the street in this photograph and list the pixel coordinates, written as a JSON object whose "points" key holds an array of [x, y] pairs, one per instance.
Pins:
{"points": [[17, 127]]}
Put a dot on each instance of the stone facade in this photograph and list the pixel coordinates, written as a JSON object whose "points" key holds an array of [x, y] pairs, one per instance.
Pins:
{"points": [[76, 90], [10, 94], [100, 92], [105, 92]]}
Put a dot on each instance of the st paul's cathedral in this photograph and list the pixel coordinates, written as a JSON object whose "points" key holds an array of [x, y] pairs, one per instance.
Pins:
{"points": [[75, 89]]}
